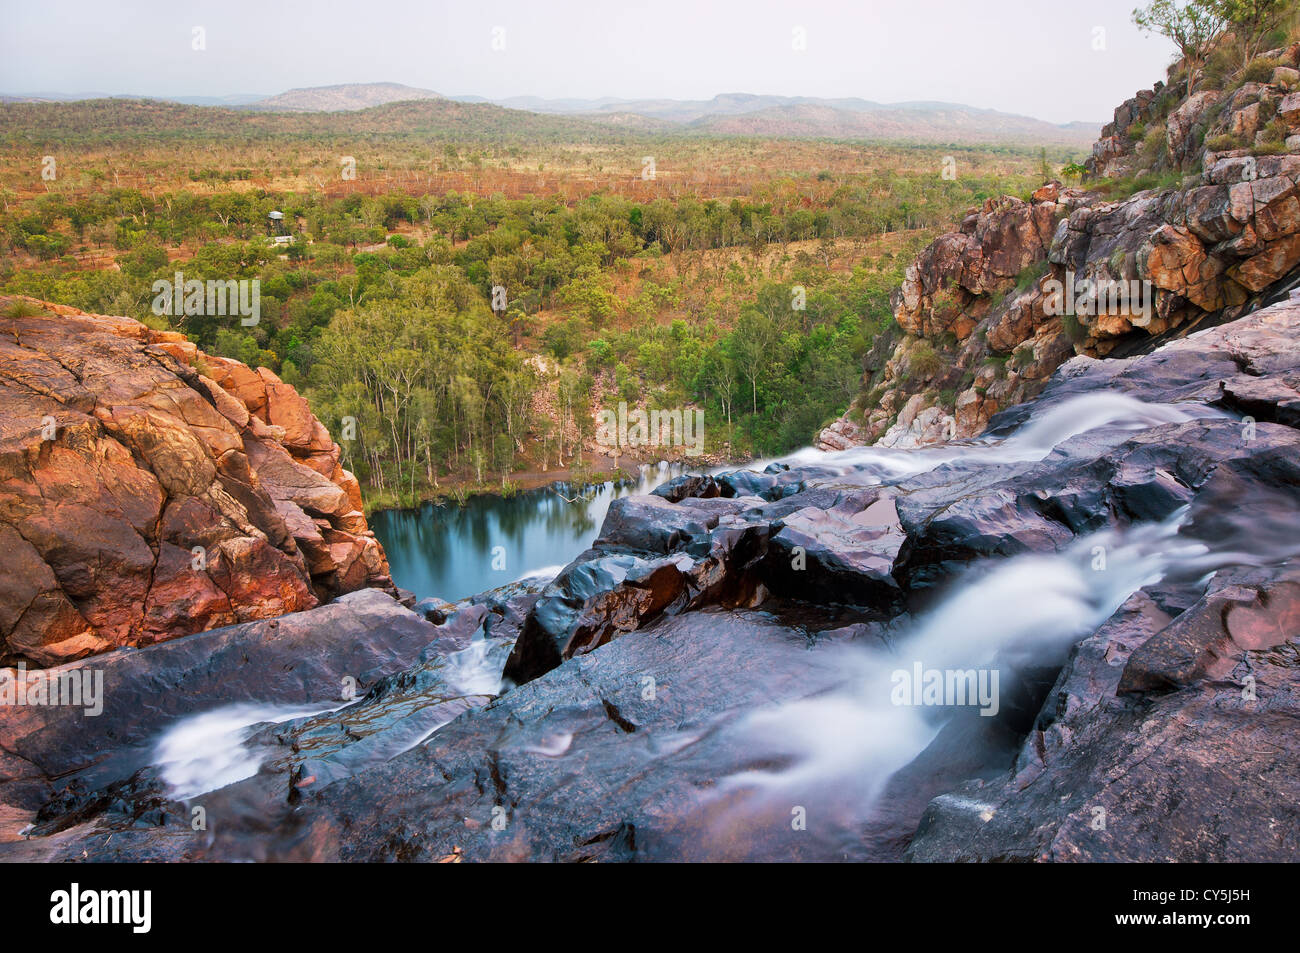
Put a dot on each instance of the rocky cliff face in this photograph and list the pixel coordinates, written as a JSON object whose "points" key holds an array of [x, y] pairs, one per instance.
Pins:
{"points": [[980, 311], [149, 490]]}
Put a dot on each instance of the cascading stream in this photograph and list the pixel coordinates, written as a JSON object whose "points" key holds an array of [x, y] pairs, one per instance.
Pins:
{"points": [[1018, 612], [208, 751], [1021, 612], [840, 748], [1031, 442]]}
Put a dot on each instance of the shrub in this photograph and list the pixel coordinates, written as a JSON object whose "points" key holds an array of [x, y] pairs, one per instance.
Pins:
{"points": [[599, 353], [1030, 274], [1073, 171], [924, 361], [1153, 146], [1260, 69], [1224, 142], [22, 309], [1074, 328], [1275, 132], [871, 398], [944, 300], [999, 364], [1116, 262], [1218, 67]]}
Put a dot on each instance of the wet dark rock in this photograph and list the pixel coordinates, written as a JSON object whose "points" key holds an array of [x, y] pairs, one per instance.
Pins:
{"points": [[682, 487], [300, 658], [629, 678], [1162, 741], [547, 628], [842, 554], [433, 609], [651, 524], [749, 483], [1207, 640], [1274, 400], [608, 744]]}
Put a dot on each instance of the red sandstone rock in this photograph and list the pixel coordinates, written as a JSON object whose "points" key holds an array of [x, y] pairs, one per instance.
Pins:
{"points": [[1212, 243], [167, 502]]}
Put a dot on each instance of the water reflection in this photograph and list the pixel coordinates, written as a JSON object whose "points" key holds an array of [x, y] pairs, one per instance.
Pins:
{"points": [[447, 551]]}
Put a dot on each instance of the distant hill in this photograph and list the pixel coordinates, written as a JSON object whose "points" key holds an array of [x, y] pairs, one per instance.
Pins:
{"points": [[144, 120], [810, 117], [398, 109], [343, 98], [913, 122], [237, 99]]}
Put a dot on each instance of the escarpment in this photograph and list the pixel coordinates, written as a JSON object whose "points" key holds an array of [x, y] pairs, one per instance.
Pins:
{"points": [[988, 312], [149, 490]]}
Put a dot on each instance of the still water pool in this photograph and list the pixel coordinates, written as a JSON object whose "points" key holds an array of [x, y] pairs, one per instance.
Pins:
{"points": [[448, 551]]}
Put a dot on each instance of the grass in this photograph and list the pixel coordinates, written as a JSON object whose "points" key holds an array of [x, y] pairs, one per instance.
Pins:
{"points": [[22, 309], [1269, 149], [924, 362], [1030, 274], [999, 364], [1260, 69], [1074, 328], [1224, 142], [1115, 189], [1116, 262]]}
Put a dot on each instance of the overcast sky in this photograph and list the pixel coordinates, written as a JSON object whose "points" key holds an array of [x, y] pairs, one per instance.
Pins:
{"points": [[1035, 57]]}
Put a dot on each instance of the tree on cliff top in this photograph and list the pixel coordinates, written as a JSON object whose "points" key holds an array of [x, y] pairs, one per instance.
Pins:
{"points": [[1192, 25], [1253, 22]]}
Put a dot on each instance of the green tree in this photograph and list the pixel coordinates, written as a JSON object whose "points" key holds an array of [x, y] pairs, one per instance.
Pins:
{"points": [[1253, 22], [1192, 26]]}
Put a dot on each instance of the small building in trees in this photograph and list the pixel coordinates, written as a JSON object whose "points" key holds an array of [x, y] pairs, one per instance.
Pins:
{"points": [[276, 228]]}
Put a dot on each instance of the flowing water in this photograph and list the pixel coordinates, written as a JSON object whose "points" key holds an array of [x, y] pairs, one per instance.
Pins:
{"points": [[1022, 612], [208, 751], [1032, 441], [1002, 616], [452, 552], [205, 752]]}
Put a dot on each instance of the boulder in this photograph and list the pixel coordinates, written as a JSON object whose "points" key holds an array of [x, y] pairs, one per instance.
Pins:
{"points": [[146, 501]]}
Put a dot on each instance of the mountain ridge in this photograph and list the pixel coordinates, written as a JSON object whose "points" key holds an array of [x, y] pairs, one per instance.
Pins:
{"points": [[731, 113]]}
